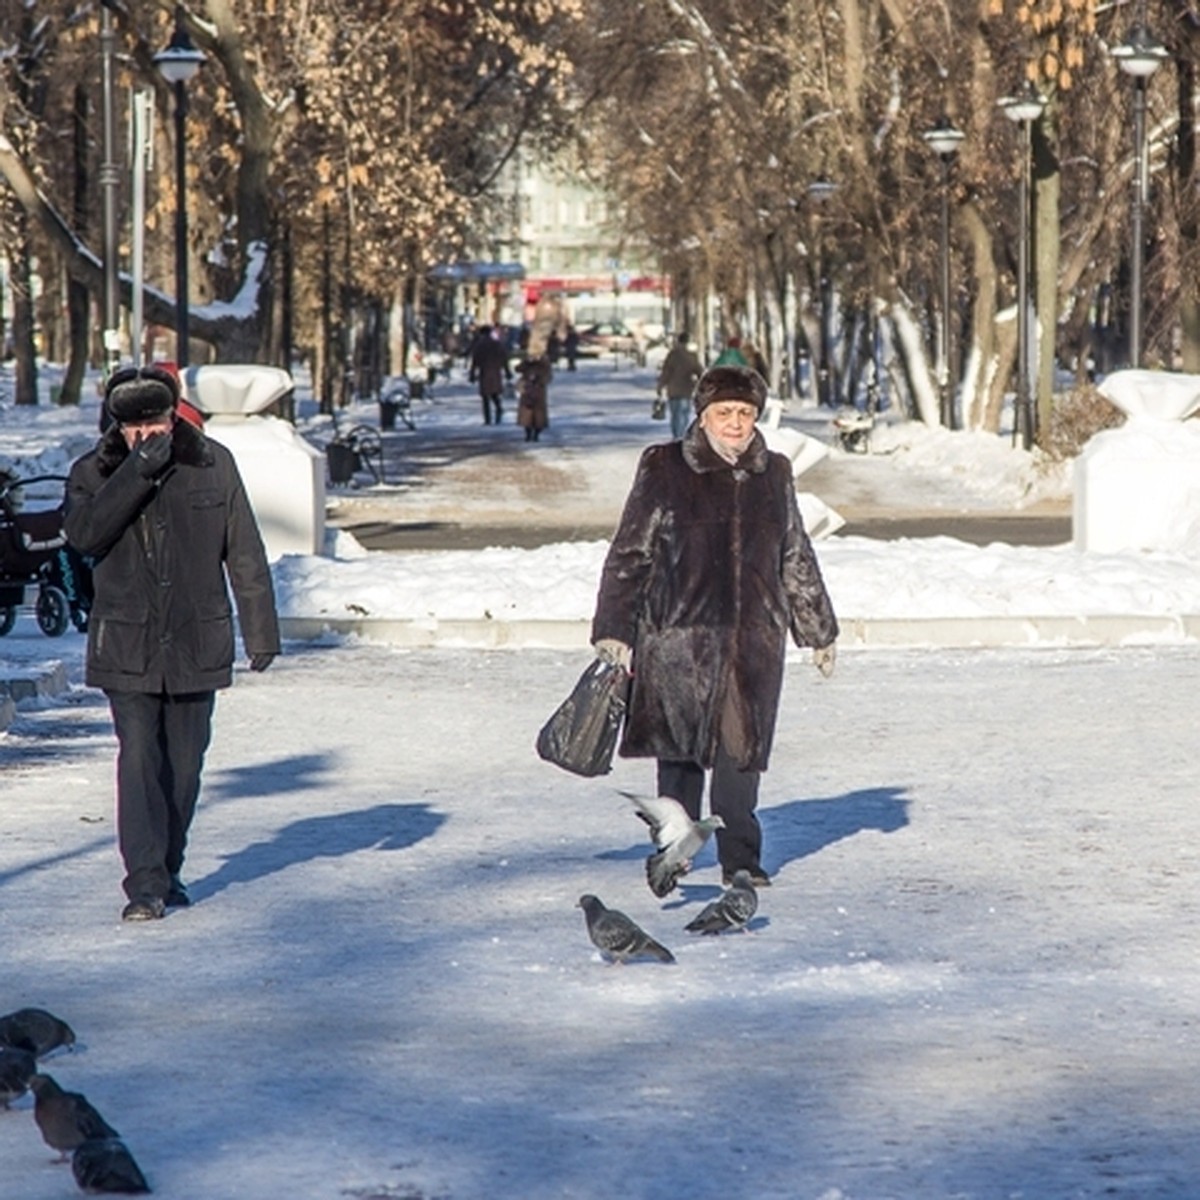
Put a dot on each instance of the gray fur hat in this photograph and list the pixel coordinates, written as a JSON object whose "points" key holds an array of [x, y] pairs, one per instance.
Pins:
{"points": [[730, 383], [140, 394]]}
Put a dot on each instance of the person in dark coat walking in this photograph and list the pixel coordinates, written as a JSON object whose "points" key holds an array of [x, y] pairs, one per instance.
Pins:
{"points": [[677, 377], [533, 407], [163, 513], [489, 368], [708, 572]]}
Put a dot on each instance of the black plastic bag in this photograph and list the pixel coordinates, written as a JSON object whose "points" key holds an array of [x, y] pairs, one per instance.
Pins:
{"points": [[581, 735]]}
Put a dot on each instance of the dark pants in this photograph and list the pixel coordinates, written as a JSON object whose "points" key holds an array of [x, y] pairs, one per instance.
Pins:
{"points": [[161, 743], [488, 403], [733, 796]]}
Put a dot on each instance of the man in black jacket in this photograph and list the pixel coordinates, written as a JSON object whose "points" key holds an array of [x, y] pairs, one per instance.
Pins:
{"points": [[163, 514]]}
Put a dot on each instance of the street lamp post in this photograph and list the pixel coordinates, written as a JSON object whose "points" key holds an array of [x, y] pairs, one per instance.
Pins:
{"points": [[177, 64], [1140, 55], [1024, 108], [944, 140], [820, 192], [109, 181]]}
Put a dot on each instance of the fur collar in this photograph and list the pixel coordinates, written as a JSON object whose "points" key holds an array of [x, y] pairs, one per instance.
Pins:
{"points": [[189, 447], [702, 458]]}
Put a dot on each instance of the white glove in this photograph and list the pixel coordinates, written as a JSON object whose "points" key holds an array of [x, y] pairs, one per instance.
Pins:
{"points": [[610, 650], [824, 657]]}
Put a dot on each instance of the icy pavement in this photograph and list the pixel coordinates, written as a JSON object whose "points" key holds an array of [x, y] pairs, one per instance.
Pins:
{"points": [[975, 977]]}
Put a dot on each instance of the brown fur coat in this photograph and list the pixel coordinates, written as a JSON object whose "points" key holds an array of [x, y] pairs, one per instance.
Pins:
{"points": [[708, 571]]}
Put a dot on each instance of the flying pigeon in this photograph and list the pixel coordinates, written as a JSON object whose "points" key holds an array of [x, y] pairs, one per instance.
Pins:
{"points": [[66, 1119], [42, 1029], [730, 910], [17, 1067], [105, 1165], [617, 937], [677, 837]]}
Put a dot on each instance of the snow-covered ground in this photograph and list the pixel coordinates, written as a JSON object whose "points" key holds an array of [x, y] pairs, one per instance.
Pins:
{"points": [[975, 975]]}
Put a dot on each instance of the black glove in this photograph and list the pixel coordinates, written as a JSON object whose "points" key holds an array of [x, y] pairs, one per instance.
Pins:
{"points": [[260, 662], [152, 454]]}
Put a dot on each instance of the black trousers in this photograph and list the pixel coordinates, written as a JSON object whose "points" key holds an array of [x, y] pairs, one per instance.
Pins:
{"points": [[733, 796], [488, 403], [161, 742]]}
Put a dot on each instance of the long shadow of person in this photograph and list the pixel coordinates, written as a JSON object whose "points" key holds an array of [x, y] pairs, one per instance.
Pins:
{"points": [[800, 828], [382, 827]]}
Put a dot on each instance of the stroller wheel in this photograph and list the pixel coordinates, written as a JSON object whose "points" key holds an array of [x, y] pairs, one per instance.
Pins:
{"points": [[8, 618], [53, 612]]}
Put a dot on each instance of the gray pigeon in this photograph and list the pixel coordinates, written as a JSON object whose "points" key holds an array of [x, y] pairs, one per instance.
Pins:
{"points": [[66, 1119], [678, 838], [617, 937], [35, 1028], [730, 910], [105, 1165], [17, 1067]]}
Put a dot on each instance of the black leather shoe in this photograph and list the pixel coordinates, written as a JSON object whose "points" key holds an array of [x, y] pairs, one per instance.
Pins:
{"points": [[177, 893], [758, 877], [144, 908]]}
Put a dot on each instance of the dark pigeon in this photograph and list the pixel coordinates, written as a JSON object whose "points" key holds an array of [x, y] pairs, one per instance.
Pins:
{"points": [[105, 1165], [617, 937], [36, 1027], [66, 1119], [17, 1067], [730, 910]]}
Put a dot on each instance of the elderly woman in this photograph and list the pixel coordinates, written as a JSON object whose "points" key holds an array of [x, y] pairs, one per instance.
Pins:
{"points": [[709, 570]]}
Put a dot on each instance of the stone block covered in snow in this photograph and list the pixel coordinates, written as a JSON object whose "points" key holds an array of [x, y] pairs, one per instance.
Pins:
{"points": [[284, 475], [1138, 487]]}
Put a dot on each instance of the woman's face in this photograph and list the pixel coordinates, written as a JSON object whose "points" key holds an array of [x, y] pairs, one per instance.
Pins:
{"points": [[731, 422]]}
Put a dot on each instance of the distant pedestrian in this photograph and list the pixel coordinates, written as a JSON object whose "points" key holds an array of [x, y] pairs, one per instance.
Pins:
{"points": [[677, 378], [163, 513], [571, 346], [533, 413], [489, 368], [732, 355]]}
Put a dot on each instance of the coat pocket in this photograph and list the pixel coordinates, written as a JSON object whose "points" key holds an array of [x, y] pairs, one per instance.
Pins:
{"points": [[120, 647], [212, 643]]}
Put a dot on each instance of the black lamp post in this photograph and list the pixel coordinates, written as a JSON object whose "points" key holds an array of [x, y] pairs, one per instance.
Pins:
{"points": [[1140, 55], [177, 64], [1024, 108], [820, 192], [109, 181], [944, 140]]}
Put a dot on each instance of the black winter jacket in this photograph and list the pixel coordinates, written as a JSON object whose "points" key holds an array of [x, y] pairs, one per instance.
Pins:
{"points": [[165, 553], [709, 569]]}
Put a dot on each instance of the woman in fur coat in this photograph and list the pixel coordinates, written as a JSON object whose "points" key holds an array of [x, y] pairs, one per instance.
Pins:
{"points": [[708, 572], [533, 405]]}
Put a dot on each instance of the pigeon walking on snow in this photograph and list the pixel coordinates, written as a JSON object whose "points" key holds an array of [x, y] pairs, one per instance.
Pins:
{"points": [[678, 838], [730, 910], [17, 1067], [105, 1165], [617, 937], [36, 1029], [66, 1119]]}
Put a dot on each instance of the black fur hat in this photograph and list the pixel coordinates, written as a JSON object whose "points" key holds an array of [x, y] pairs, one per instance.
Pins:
{"points": [[140, 394], [730, 383]]}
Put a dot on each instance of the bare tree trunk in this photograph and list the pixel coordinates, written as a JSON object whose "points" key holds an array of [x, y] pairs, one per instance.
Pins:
{"points": [[1047, 187], [1189, 234], [981, 362], [20, 275], [78, 305]]}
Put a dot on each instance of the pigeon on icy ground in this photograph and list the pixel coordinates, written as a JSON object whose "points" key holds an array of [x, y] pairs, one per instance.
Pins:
{"points": [[730, 910], [617, 937], [66, 1119], [17, 1067], [677, 837], [42, 1029], [105, 1165]]}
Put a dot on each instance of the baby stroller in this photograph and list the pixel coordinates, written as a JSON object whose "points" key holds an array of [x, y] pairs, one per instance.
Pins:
{"points": [[34, 553]]}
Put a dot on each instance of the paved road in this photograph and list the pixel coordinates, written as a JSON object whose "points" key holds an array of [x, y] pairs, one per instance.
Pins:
{"points": [[981, 529]]}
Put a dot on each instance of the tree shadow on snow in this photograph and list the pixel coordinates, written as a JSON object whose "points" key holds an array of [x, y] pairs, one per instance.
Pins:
{"points": [[298, 773], [801, 828], [383, 827]]}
